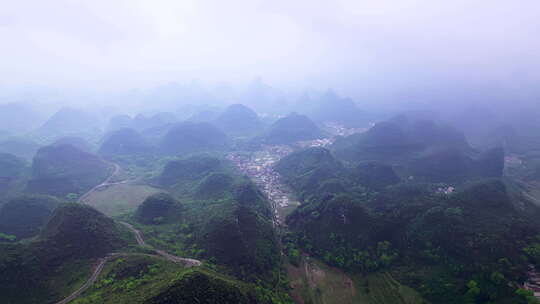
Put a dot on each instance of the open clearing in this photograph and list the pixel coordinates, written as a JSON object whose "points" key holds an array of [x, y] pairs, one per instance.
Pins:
{"points": [[118, 199], [316, 283]]}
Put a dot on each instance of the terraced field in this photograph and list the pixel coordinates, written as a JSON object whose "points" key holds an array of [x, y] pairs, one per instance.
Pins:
{"points": [[316, 283]]}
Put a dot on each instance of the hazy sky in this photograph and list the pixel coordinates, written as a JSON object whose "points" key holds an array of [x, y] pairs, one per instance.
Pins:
{"points": [[359, 47]]}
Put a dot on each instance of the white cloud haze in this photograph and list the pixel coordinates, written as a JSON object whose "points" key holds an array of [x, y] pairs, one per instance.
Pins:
{"points": [[362, 48]]}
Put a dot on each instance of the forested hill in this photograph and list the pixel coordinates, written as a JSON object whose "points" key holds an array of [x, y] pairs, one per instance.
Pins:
{"points": [[435, 238]]}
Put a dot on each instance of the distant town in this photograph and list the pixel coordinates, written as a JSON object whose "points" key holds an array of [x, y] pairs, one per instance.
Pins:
{"points": [[259, 166]]}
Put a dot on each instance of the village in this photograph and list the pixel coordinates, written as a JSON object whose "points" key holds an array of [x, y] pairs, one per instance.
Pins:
{"points": [[259, 166]]}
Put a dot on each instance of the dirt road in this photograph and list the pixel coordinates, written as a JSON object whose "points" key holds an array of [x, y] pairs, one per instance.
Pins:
{"points": [[88, 283], [187, 262], [105, 183], [97, 271], [175, 259]]}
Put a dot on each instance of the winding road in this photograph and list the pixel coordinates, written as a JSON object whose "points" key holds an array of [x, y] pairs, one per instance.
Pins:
{"points": [[187, 262], [106, 182], [88, 283], [175, 259]]}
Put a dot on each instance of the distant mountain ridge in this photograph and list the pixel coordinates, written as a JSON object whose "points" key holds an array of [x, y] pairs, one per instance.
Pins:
{"points": [[290, 129]]}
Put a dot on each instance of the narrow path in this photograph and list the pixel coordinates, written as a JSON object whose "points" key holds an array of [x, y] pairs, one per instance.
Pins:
{"points": [[187, 262], [88, 283], [137, 233], [97, 272], [175, 259], [106, 182]]}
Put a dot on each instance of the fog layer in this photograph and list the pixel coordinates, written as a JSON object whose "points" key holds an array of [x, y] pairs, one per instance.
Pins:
{"points": [[406, 50]]}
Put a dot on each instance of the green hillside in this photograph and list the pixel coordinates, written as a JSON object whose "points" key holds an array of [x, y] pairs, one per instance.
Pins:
{"points": [[124, 142], [434, 242], [59, 260], [421, 150], [239, 120], [188, 169], [224, 218], [78, 230], [290, 129], [329, 107], [69, 122], [13, 173], [24, 216], [158, 208], [150, 280], [20, 147], [60, 170], [78, 142], [186, 138]]}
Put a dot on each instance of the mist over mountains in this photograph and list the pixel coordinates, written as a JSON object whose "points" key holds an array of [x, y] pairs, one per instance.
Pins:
{"points": [[269, 152]]}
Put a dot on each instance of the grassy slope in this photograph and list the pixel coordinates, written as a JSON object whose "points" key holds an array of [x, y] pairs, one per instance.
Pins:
{"points": [[35, 268], [316, 283], [129, 279], [119, 199], [138, 279], [69, 277]]}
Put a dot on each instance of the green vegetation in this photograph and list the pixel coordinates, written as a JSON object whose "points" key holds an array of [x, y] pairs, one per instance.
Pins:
{"points": [[314, 282], [290, 129], [124, 142], [23, 148], [24, 216], [150, 280], [360, 220], [58, 261], [130, 279], [186, 138], [194, 285], [60, 170], [239, 120], [423, 150], [120, 199], [248, 195], [77, 142], [81, 231], [405, 213], [11, 166], [374, 176], [44, 280], [397, 140], [146, 122], [68, 122], [381, 288], [453, 166], [306, 170], [188, 169], [214, 185], [331, 108], [13, 173], [224, 219], [158, 209]]}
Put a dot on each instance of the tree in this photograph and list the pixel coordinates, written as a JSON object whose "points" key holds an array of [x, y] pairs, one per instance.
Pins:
{"points": [[472, 292], [527, 296], [7, 237], [72, 196]]}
